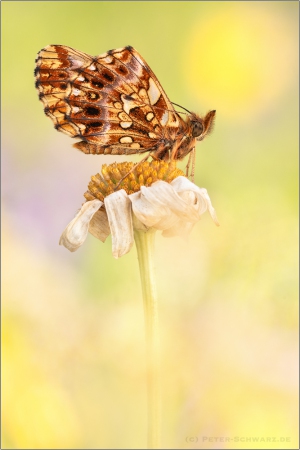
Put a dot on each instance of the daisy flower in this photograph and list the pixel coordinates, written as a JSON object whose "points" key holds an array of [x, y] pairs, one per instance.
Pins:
{"points": [[153, 196]]}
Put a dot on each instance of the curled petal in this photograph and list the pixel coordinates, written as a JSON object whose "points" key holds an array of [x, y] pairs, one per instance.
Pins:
{"points": [[149, 213], [118, 208], [210, 208], [183, 186], [159, 206], [165, 193], [76, 232], [173, 208], [99, 226]]}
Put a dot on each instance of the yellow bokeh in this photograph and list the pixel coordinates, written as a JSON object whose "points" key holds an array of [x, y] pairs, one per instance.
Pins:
{"points": [[35, 411], [240, 60]]}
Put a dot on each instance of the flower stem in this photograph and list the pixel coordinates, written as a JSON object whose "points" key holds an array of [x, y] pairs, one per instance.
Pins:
{"points": [[145, 245]]}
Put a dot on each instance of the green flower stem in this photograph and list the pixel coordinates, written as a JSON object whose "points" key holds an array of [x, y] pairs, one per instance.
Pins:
{"points": [[145, 246]]}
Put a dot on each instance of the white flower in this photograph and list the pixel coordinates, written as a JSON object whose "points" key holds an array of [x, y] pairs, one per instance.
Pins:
{"points": [[173, 208]]}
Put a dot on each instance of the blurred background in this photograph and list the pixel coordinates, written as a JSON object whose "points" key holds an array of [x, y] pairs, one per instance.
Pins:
{"points": [[73, 369]]}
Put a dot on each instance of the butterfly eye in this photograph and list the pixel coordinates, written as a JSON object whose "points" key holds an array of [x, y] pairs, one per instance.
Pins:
{"points": [[197, 128]]}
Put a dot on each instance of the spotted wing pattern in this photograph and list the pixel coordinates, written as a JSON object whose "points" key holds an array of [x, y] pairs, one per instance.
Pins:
{"points": [[112, 102]]}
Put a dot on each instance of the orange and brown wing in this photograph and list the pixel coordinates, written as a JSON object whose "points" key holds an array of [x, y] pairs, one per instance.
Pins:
{"points": [[112, 102]]}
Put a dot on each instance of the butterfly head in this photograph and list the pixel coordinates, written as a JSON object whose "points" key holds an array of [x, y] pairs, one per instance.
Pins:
{"points": [[200, 127]]}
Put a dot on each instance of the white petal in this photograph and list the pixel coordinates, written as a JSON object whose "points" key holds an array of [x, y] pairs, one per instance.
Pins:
{"points": [[173, 208], [147, 212], [159, 206], [163, 194], [76, 232], [182, 185], [119, 213], [211, 210], [99, 226]]}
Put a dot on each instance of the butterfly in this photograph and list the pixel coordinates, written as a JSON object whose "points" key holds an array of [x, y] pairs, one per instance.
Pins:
{"points": [[114, 104]]}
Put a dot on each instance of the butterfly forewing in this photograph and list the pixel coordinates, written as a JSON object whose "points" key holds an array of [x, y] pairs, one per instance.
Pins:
{"points": [[113, 101]]}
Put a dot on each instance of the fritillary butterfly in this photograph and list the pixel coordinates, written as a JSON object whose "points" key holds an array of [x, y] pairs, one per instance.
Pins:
{"points": [[115, 104]]}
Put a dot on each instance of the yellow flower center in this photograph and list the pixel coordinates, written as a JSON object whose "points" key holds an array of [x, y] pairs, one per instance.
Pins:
{"points": [[136, 175]]}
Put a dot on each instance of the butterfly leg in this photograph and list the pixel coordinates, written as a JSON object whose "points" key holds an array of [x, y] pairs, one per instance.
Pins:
{"points": [[187, 167], [192, 158]]}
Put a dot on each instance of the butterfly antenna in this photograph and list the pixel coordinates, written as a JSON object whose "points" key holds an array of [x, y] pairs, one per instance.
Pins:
{"points": [[164, 109], [181, 107]]}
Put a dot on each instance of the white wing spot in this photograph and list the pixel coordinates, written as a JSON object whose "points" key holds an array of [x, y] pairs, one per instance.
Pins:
{"points": [[129, 103], [92, 67], [153, 92], [149, 116], [108, 59], [76, 92], [75, 109], [76, 63], [164, 119], [152, 135], [126, 140], [125, 124], [80, 78]]}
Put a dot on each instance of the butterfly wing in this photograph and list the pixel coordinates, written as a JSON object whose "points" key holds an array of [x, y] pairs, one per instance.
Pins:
{"points": [[113, 102]]}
